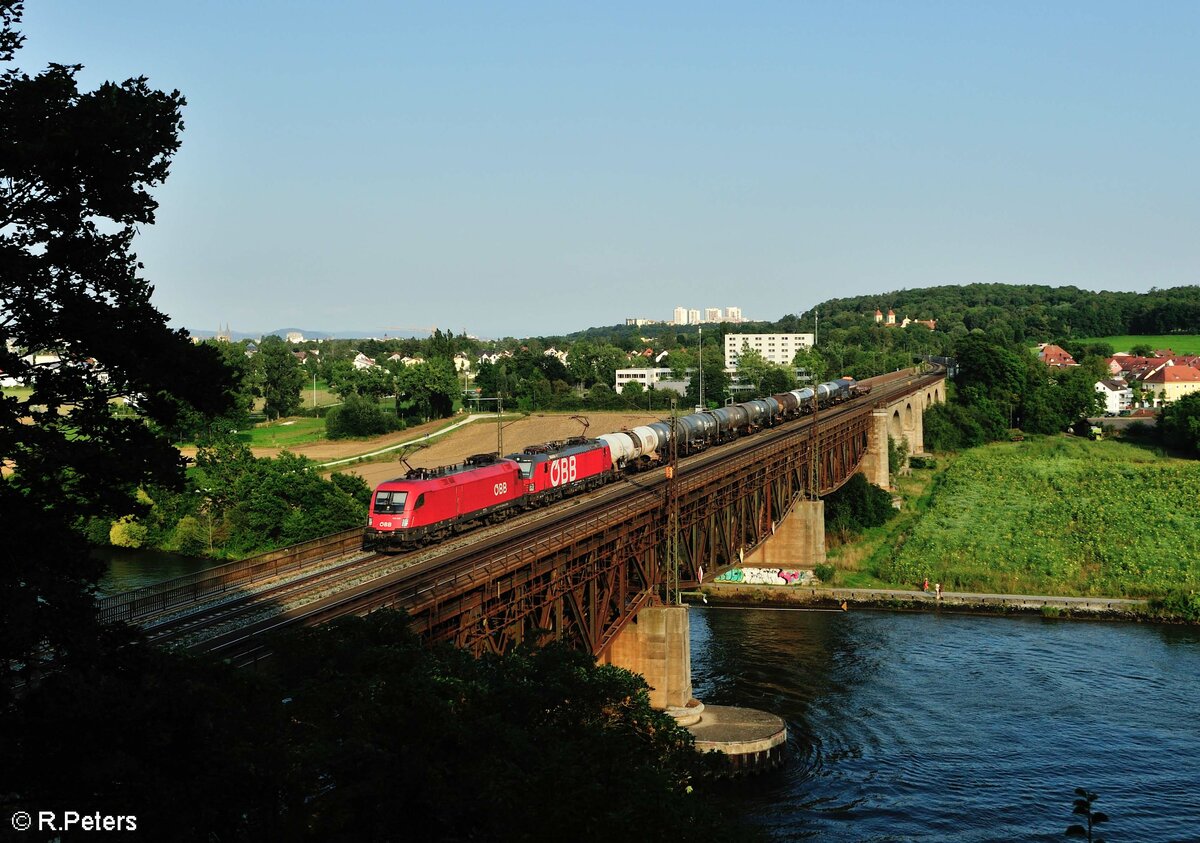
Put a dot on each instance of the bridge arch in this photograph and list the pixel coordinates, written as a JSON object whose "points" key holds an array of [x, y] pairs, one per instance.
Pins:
{"points": [[908, 416], [895, 427]]}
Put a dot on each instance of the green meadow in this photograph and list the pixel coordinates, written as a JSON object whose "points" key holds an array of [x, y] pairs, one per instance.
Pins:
{"points": [[1179, 343], [1057, 515]]}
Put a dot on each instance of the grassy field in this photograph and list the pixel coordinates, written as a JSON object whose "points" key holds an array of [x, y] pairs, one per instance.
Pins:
{"points": [[287, 433], [1179, 343], [1054, 516]]}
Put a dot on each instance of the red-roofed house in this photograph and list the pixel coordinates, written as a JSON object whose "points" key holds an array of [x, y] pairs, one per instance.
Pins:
{"points": [[1053, 355], [1170, 383]]}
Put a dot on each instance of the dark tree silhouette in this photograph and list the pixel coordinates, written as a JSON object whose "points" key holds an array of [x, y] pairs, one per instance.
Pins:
{"points": [[1083, 808], [77, 327]]}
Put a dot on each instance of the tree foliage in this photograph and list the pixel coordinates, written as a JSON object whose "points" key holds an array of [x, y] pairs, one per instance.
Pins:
{"points": [[359, 416], [856, 506], [78, 327], [1180, 423], [282, 378], [261, 504], [317, 749]]}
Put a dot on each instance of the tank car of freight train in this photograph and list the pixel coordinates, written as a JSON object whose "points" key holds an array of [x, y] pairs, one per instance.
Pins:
{"points": [[428, 504], [831, 392], [762, 412], [558, 468], [633, 449], [804, 398], [844, 389], [730, 421], [789, 404], [696, 431]]}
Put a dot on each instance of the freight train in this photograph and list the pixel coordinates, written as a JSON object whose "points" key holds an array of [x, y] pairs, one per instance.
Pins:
{"points": [[429, 504]]}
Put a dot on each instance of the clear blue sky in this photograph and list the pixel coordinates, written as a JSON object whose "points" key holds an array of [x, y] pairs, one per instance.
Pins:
{"points": [[536, 168]]}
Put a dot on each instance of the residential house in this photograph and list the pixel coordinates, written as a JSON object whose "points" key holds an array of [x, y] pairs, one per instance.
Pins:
{"points": [[362, 361], [1170, 383], [492, 358], [1118, 396], [1056, 356]]}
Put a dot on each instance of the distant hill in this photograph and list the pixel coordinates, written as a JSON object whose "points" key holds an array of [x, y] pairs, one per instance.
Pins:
{"points": [[1029, 311], [309, 334]]}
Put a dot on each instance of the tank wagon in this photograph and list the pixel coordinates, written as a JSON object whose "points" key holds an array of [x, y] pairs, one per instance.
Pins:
{"points": [[428, 504]]}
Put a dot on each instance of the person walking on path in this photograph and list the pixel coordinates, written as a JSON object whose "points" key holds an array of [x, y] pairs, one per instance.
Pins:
{"points": [[938, 589], [925, 587]]}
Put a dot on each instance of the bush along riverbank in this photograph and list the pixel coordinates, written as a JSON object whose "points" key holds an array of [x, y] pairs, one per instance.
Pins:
{"points": [[1050, 517]]}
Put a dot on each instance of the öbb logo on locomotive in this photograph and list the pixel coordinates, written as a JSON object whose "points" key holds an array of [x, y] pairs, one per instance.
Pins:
{"points": [[563, 471], [433, 503]]}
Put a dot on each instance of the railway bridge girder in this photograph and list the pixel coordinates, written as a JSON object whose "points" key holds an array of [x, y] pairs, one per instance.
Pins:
{"points": [[583, 579]]}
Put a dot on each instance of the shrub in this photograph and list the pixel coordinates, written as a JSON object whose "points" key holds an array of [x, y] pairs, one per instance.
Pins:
{"points": [[358, 416], [1178, 604], [190, 538], [857, 506], [825, 573], [127, 532]]}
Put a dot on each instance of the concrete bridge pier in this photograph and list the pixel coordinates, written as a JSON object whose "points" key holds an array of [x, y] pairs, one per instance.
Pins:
{"points": [[875, 461], [657, 645], [797, 541]]}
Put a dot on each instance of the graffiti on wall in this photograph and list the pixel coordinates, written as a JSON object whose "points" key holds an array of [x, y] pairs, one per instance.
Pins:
{"points": [[766, 576]]}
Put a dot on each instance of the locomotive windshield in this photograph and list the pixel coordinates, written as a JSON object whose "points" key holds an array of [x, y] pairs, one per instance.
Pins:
{"points": [[526, 466], [388, 502]]}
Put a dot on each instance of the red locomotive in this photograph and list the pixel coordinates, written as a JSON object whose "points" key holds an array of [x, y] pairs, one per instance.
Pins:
{"points": [[428, 504], [558, 468]]}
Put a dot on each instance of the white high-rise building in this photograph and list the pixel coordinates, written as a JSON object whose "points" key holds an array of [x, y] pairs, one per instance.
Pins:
{"points": [[680, 316], [694, 316], [712, 314], [775, 348], [733, 314]]}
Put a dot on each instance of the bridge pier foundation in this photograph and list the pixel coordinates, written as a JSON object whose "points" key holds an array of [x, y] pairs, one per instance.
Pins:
{"points": [[656, 644]]}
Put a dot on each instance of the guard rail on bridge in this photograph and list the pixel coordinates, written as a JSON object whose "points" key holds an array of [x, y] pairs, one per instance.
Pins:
{"points": [[131, 606]]}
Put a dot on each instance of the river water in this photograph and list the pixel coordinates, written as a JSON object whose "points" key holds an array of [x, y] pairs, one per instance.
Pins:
{"points": [[960, 728], [135, 567]]}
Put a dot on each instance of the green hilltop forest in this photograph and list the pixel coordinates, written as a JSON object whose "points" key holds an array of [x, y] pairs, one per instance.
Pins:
{"points": [[1030, 312]]}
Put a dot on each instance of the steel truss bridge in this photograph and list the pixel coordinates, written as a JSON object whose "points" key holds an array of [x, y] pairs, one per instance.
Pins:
{"points": [[578, 572], [582, 572]]}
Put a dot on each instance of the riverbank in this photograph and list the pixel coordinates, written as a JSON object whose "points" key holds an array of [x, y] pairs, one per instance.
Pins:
{"points": [[1057, 516], [977, 603]]}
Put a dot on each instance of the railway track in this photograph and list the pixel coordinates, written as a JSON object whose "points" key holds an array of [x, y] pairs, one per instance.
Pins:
{"points": [[236, 628]]}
